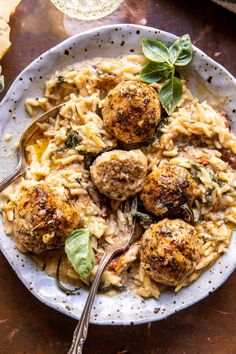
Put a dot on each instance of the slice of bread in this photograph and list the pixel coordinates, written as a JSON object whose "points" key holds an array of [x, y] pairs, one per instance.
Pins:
{"points": [[228, 4], [7, 8]]}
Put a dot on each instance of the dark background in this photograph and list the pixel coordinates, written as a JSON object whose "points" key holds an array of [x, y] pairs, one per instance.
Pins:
{"points": [[26, 325]]}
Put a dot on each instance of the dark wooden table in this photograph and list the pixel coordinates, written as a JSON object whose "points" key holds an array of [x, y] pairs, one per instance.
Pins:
{"points": [[26, 325]]}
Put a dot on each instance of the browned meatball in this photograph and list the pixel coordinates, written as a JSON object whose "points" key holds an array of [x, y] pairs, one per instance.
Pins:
{"points": [[106, 82], [119, 174], [131, 112], [43, 219], [170, 251], [167, 189]]}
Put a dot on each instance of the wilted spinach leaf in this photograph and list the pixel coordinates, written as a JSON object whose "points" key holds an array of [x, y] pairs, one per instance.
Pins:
{"points": [[73, 140]]}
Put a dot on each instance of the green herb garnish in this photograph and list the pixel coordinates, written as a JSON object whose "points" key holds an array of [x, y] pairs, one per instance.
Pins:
{"points": [[79, 251], [100, 71], [106, 289], [159, 126], [153, 72], [145, 219], [196, 167], [208, 195], [220, 182], [89, 157], [170, 94], [73, 140], [212, 175], [161, 66], [60, 79], [79, 180]]}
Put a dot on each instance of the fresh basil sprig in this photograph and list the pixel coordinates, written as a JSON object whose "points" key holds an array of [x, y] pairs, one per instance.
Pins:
{"points": [[79, 251], [180, 52], [161, 65], [153, 72], [155, 51], [171, 93]]}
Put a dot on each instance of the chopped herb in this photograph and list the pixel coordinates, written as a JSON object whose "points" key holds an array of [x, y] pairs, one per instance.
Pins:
{"points": [[89, 157], [105, 289], [197, 167], [212, 175], [76, 109], [215, 179], [208, 195], [78, 180], [145, 219], [159, 126], [100, 71], [219, 182], [73, 140], [60, 79], [200, 218]]}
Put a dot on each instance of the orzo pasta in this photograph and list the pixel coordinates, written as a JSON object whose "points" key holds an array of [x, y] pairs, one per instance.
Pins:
{"points": [[195, 137]]}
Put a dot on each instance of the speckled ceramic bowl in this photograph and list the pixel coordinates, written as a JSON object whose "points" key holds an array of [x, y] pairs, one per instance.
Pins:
{"points": [[207, 79]]}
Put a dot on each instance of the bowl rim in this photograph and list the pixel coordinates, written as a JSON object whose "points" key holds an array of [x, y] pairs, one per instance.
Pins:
{"points": [[54, 49], [111, 26]]}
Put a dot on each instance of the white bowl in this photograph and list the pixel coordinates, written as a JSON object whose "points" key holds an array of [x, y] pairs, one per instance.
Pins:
{"points": [[207, 79]]}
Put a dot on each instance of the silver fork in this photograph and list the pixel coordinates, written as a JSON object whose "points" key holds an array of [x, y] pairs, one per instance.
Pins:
{"points": [[81, 330], [19, 170]]}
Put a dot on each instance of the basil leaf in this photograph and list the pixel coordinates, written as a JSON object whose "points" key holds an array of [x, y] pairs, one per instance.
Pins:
{"points": [[2, 84], [180, 51], [155, 51], [80, 253], [153, 72], [170, 94]]}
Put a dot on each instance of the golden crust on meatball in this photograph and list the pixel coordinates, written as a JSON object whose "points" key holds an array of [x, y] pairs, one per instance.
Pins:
{"points": [[170, 251], [43, 219], [131, 112], [119, 174], [167, 189]]}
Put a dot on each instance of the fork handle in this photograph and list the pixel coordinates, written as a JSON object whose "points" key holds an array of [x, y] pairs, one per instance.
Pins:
{"points": [[81, 330], [17, 172]]}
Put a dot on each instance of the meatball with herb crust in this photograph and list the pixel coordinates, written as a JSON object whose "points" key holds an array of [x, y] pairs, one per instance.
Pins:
{"points": [[131, 112], [170, 251], [167, 189], [119, 174], [43, 219]]}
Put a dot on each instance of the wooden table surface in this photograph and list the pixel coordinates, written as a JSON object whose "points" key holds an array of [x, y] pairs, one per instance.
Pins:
{"points": [[29, 327]]}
